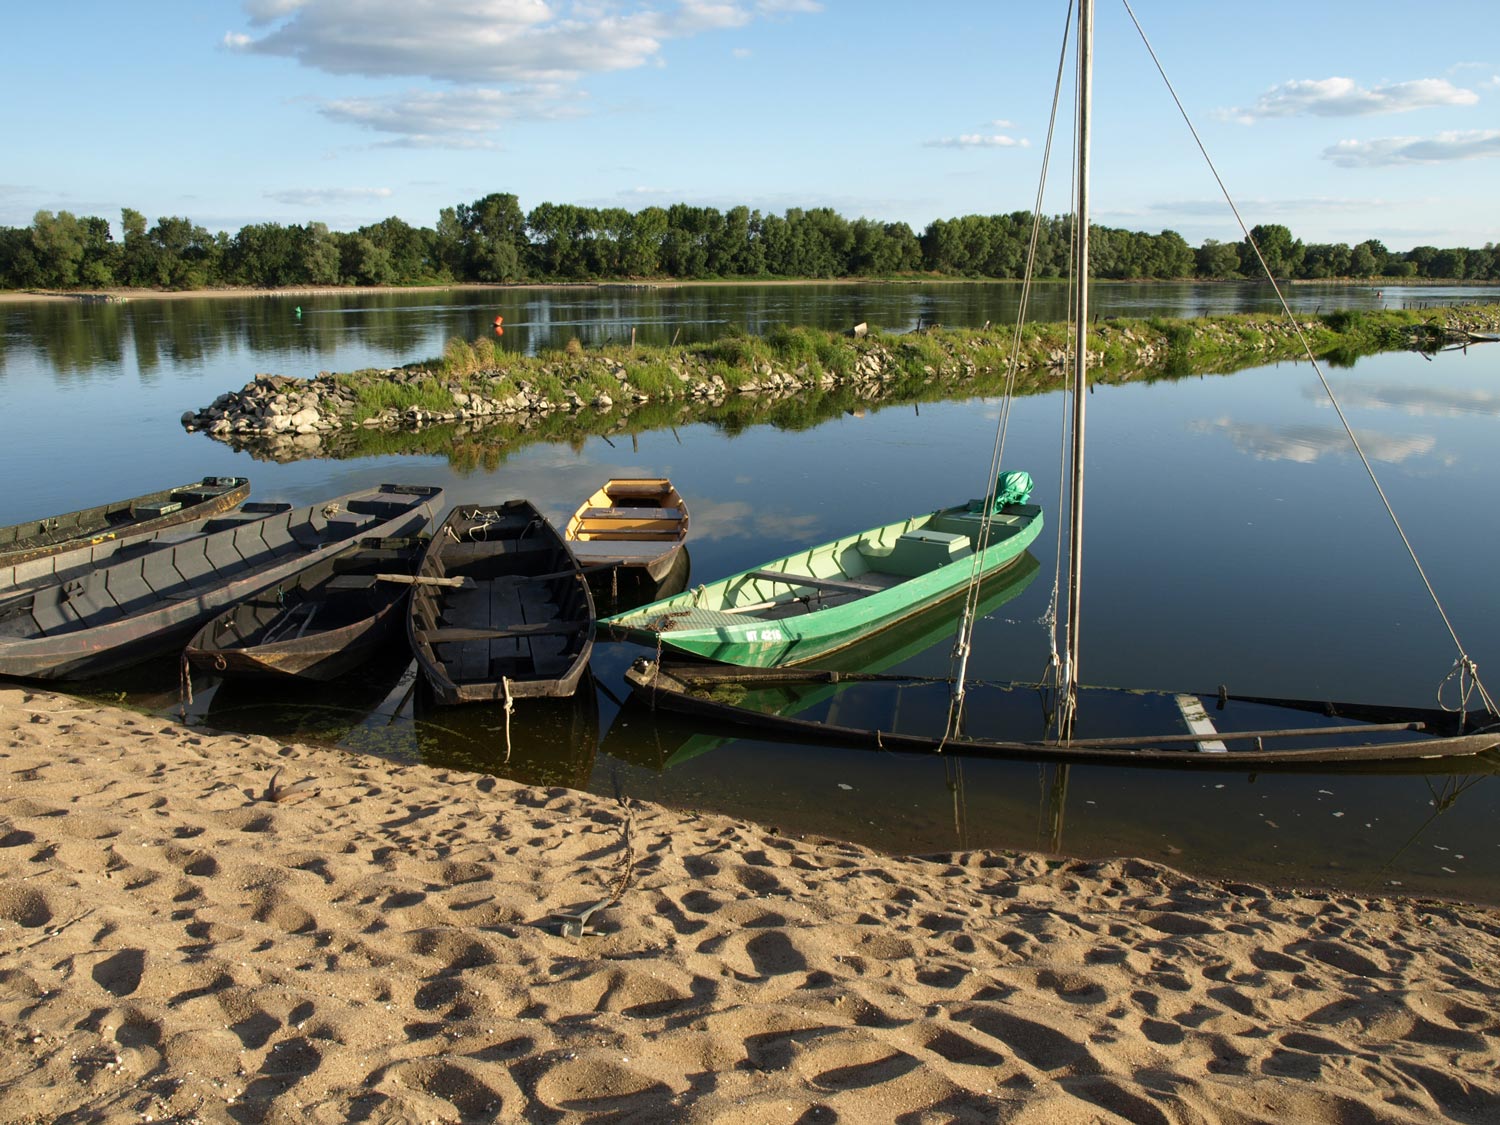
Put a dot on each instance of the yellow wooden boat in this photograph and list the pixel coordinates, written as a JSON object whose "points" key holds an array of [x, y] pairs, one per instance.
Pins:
{"points": [[637, 523]]}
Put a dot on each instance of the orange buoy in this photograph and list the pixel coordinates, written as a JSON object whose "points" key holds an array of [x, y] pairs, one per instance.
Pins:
{"points": [[499, 331], [499, 320]]}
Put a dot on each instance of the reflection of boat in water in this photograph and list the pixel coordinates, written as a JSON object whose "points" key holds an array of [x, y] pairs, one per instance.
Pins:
{"points": [[623, 590], [547, 741], [892, 648], [298, 710], [382, 709]]}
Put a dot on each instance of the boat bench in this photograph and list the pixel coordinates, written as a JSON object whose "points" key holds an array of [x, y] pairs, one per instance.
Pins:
{"points": [[919, 552], [618, 513], [841, 584], [350, 582]]}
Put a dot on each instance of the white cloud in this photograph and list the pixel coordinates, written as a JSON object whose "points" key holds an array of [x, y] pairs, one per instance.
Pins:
{"points": [[312, 197], [979, 140], [1466, 145], [1421, 400], [456, 117], [1306, 444], [513, 58], [1343, 97], [788, 7], [477, 41]]}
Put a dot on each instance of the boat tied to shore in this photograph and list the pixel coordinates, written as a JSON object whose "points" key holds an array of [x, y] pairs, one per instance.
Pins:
{"points": [[1217, 729]]}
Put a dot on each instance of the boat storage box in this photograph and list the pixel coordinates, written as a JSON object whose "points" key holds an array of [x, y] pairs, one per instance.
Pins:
{"points": [[917, 552], [156, 510]]}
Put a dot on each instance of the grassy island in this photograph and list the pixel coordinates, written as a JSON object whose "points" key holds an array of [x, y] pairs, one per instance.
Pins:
{"points": [[478, 400]]}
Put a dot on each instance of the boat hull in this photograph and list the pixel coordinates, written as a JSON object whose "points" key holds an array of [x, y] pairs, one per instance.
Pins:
{"points": [[1338, 742], [803, 607], [121, 519], [151, 599]]}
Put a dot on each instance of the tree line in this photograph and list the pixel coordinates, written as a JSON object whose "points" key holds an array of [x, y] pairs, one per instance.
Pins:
{"points": [[493, 240]]}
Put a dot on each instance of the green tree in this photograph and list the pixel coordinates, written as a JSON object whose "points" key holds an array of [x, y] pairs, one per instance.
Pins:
{"points": [[1282, 252], [494, 238], [1368, 259], [1217, 259], [320, 255], [269, 255], [57, 243]]}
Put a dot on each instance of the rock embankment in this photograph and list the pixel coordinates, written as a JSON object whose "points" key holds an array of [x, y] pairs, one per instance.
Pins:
{"points": [[287, 417]]}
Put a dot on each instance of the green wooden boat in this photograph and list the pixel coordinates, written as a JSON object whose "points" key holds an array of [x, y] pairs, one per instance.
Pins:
{"points": [[801, 607]]}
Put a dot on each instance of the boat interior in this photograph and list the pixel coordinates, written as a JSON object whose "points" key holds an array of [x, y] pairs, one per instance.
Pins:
{"points": [[523, 614]]}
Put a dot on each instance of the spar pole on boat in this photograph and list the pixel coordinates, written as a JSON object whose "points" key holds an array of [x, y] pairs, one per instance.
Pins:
{"points": [[1068, 687]]}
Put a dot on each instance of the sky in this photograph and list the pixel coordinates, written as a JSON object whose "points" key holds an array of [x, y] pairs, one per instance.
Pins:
{"points": [[1340, 119]]}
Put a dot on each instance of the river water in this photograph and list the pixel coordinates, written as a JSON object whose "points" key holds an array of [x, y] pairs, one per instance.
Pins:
{"points": [[1233, 538]]}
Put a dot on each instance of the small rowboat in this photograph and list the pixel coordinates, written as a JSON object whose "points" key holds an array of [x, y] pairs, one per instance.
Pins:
{"points": [[327, 620], [155, 592], [499, 608], [822, 599], [138, 515], [636, 523]]}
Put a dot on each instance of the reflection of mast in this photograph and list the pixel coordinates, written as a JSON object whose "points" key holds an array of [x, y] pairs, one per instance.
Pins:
{"points": [[1453, 789], [1057, 806], [953, 772]]}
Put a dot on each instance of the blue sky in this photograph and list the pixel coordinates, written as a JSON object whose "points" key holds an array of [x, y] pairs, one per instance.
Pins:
{"points": [[1342, 119]]}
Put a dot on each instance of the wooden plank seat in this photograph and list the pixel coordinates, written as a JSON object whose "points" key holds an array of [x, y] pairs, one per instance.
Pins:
{"points": [[663, 534], [840, 584], [619, 513], [450, 634], [351, 582]]}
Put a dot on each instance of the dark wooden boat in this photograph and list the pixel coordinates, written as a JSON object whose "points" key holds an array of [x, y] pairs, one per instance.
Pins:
{"points": [[154, 592], [1214, 731], [328, 619], [139, 515], [500, 608]]}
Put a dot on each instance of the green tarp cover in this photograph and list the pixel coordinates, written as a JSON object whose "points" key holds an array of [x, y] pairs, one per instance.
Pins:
{"points": [[1013, 487]]}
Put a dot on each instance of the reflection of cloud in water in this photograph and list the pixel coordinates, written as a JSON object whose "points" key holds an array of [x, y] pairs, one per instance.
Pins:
{"points": [[1306, 444], [1417, 399], [732, 519]]}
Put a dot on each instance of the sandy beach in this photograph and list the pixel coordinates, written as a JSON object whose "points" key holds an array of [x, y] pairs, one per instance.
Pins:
{"points": [[204, 927]]}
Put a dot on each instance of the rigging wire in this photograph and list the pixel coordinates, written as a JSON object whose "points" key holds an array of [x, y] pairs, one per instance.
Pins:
{"points": [[968, 618], [1464, 667]]}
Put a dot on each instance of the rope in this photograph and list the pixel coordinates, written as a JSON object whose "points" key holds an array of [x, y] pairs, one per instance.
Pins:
{"points": [[1463, 657], [184, 685], [959, 662], [510, 705]]}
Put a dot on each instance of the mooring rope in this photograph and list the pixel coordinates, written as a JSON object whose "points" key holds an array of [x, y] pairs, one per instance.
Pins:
{"points": [[1468, 665], [510, 705], [963, 646]]}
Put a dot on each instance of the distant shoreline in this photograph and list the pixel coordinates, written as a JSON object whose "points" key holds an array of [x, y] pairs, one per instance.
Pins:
{"points": [[17, 296]]}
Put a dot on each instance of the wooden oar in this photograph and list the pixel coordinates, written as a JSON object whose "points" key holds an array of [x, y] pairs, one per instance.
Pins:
{"points": [[460, 583]]}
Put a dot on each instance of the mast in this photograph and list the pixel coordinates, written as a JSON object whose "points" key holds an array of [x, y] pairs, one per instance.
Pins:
{"points": [[1069, 684]]}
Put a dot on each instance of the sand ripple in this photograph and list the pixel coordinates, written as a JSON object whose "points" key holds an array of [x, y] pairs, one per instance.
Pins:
{"points": [[383, 946]]}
